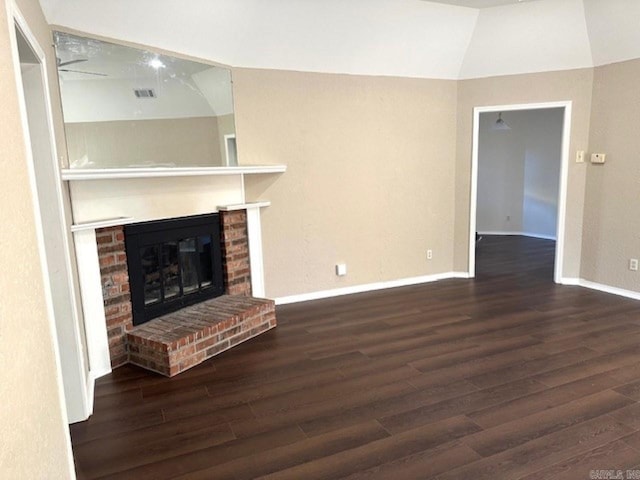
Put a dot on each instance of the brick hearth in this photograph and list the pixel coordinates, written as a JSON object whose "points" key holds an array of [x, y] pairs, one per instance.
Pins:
{"points": [[175, 342], [207, 328]]}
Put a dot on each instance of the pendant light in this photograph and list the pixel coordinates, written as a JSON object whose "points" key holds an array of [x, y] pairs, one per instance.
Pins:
{"points": [[500, 124]]}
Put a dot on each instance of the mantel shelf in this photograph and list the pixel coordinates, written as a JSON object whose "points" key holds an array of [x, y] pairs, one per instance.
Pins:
{"points": [[108, 222], [74, 174]]}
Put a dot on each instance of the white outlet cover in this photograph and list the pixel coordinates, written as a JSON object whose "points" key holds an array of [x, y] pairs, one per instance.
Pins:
{"points": [[341, 269]]}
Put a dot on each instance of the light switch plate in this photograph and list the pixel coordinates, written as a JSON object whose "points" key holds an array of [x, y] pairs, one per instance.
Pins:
{"points": [[580, 156], [598, 157]]}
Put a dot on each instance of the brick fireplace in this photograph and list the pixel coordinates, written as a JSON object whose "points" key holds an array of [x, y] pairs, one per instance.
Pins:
{"points": [[179, 340]]}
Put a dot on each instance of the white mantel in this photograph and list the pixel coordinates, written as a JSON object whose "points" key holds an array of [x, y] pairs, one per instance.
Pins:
{"points": [[75, 174], [156, 193]]}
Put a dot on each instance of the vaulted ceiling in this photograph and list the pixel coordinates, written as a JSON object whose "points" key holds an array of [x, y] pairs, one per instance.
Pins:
{"points": [[479, 3], [412, 38]]}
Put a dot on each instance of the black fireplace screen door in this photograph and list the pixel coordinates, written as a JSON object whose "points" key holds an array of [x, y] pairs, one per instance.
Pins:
{"points": [[172, 264]]}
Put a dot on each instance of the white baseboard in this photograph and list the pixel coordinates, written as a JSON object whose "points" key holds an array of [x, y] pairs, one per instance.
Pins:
{"points": [[608, 289], [570, 281], [460, 275], [521, 234], [369, 287], [539, 235], [87, 401], [404, 282], [581, 282], [90, 394]]}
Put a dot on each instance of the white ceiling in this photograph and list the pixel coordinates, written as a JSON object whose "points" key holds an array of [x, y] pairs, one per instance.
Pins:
{"points": [[528, 38], [408, 38], [479, 3]]}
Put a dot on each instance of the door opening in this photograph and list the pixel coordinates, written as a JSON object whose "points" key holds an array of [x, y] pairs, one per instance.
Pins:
{"points": [[55, 248], [519, 175]]}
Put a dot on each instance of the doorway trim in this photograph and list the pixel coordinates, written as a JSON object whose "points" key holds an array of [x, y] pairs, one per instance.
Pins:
{"points": [[564, 174], [17, 22]]}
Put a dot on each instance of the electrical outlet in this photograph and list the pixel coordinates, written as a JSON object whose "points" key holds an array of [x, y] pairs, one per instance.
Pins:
{"points": [[341, 269], [429, 254], [633, 264]]}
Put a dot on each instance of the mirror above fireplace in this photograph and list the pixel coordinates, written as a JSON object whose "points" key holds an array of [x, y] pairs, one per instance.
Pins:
{"points": [[126, 108]]}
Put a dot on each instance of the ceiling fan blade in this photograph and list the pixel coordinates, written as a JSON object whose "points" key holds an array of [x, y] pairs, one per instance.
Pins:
{"points": [[71, 62], [85, 73]]}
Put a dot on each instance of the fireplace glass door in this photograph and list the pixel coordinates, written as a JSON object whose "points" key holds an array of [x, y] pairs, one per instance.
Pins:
{"points": [[173, 263]]}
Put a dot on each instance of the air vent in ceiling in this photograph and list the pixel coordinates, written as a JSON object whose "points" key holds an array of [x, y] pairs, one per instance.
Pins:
{"points": [[145, 93]]}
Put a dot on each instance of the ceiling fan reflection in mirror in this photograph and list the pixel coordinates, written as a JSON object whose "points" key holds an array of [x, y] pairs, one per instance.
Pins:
{"points": [[73, 62]]}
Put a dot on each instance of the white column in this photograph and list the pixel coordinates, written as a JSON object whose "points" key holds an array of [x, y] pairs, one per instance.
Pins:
{"points": [[95, 323], [254, 231], [90, 279]]}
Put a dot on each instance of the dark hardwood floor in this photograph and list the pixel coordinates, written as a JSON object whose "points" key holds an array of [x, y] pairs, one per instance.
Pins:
{"points": [[504, 377]]}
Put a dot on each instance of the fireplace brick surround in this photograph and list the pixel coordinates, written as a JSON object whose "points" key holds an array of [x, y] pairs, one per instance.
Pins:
{"points": [[235, 252], [115, 291], [175, 342]]}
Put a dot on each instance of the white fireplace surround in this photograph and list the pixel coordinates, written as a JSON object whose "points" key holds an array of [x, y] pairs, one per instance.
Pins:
{"points": [[107, 201]]}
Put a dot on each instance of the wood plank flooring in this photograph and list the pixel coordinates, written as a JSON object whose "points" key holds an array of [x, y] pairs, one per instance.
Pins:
{"points": [[507, 376]]}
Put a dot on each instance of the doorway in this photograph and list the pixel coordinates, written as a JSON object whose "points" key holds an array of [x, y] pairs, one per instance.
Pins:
{"points": [[53, 234], [519, 176]]}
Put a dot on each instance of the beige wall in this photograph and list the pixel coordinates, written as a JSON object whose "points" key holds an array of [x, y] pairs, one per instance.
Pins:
{"points": [[612, 205], [371, 177], [181, 142], [573, 85], [369, 181], [34, 440], [226, 126]]}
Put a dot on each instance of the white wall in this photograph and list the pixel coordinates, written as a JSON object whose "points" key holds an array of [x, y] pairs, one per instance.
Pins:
{"points": [[518, 173], [500, 177], [542, 171], [109, 100], [153, 198]]}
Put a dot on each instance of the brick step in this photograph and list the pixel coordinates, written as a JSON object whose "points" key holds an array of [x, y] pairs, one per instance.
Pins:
{"points": [[178, 341]]}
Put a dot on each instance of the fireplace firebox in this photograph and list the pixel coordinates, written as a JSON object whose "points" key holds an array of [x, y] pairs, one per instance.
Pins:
{"points": [[173, 264]]}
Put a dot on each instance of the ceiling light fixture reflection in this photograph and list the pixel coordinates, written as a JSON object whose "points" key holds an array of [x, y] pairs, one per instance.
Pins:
{"points": [[156, 63], [500, 124]]}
